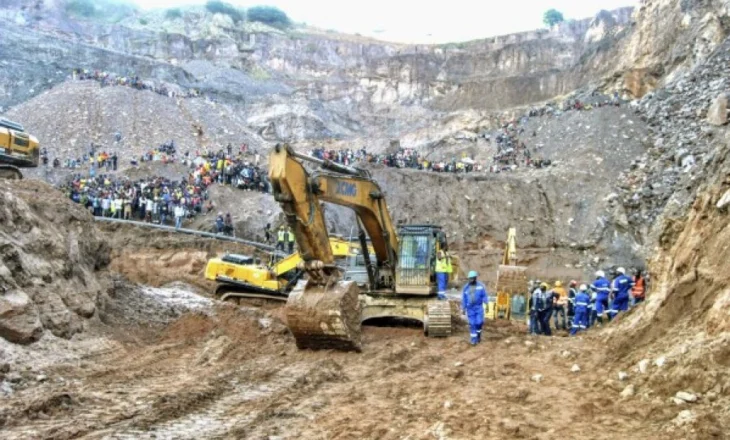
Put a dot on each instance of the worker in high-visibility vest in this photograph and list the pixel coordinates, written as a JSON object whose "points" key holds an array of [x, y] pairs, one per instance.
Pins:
{"points": [[280, 237], [442, 274], [291, 239]]}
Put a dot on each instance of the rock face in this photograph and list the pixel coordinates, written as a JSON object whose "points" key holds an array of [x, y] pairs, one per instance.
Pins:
{"points": [[50, 252], [717, 113]]}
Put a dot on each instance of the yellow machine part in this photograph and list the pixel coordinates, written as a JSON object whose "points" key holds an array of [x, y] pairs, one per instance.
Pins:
{"points": [[511, 281], [269, 277], [18, 149]]}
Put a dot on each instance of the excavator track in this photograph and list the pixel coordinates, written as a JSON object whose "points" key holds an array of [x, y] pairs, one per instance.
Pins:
{"points": [[10, 172], [235, 292], [437, 320], [325, 317]]}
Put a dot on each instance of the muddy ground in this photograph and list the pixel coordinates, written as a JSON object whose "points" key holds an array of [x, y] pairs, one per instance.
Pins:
{"points": [[224, 371]]}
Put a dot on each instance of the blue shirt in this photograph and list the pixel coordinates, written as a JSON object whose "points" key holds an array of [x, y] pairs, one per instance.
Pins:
{"points": [[473, 302], [601, 286], [622, 285]]}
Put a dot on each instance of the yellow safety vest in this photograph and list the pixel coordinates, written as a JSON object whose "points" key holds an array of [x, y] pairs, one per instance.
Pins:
{"points": [[442, 265], [449, 267], [280, 236], [291, 237]]}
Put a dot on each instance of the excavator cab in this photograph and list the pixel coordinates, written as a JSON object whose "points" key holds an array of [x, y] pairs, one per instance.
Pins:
{"points": [[418, 245]]}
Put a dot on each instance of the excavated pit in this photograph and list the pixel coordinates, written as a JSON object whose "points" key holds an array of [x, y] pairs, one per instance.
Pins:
{"points": [[110, 331]]}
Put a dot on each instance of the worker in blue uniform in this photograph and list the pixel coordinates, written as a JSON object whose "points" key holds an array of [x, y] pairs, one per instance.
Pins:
{"points": [[580, 320], [621, 288], [602, 288], [473, 298]]}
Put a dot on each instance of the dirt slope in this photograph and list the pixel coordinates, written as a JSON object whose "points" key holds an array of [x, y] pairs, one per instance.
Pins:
{"points": [[50, 258], [234, 373]]}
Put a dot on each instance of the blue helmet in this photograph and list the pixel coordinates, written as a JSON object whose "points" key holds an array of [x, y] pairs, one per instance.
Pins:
{"points": [[473, 274]]}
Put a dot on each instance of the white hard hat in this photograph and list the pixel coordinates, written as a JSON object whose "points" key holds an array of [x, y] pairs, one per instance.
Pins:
{"points": [[621, 270], [600, 274], [583, 287]]}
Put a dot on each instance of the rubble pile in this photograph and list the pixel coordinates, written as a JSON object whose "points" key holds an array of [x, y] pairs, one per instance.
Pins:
{"points": [[686, 120]]}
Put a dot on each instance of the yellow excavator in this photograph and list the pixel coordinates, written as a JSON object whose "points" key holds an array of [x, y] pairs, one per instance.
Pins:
{"points": [[511, 282], [242, 276], [325, 310], [18, 149]]}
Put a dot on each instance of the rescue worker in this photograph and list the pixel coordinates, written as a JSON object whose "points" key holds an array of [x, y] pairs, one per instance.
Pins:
{"points": [[290, 240], [621, 287], [582, 300], [638, 292], [473, 299], [442, 274], [561, 301], [280, 236], [592, 310], [534, 326], [602, 288], [542, 303], [572, 293]]}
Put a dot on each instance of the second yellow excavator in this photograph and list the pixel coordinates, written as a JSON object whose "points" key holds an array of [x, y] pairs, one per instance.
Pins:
{"points": [[18, 149], [242, 276], [326, 311]]}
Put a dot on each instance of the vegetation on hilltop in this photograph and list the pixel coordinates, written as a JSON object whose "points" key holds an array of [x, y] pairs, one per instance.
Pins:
{"points": [[269, 15], [111, 11], [552, 17], [220, 7]]}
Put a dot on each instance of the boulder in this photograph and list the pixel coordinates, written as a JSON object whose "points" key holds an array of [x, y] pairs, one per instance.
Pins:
{"points": [[19, 321], [686, 396], [717, 113]]}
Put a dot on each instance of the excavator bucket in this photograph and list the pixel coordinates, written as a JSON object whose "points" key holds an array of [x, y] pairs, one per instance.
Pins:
{"points": [[325, 317], [511, 291]]}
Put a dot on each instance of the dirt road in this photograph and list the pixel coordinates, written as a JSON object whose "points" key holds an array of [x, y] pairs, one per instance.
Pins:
{"points": [[229, 372]]}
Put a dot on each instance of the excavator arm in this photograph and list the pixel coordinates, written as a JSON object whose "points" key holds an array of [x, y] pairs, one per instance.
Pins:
{"points": [[325, 311], [300, 194]]}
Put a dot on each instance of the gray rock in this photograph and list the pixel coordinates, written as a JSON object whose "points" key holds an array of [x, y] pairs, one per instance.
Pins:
{"points": [[628, 391], [724, 200], [686, 396], [19, 320], [717, 113]]}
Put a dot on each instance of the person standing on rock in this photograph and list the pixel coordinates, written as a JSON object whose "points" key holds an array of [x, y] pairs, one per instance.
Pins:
{"points": [[582, 300], [602, 288], [621, 287], [473, 299]]}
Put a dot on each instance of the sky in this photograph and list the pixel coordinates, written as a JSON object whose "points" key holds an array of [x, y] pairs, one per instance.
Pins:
{"points": [[421, 21]]}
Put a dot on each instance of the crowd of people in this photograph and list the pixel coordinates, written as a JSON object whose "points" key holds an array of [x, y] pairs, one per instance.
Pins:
{"points": [[585, 305], [574, 310], [135, 82], [153, 200], [157, 199], [403, 158]]}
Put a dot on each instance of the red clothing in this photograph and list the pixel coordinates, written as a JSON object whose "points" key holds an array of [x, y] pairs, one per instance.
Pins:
{"points": [[639, 289]]}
